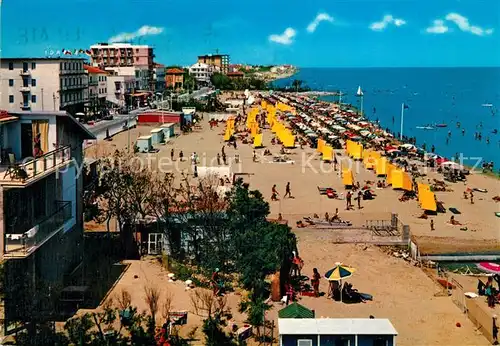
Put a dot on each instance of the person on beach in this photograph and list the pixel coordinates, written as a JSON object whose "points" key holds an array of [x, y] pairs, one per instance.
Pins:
{"points": [[218, 159], [288, 191], [274, 193], [222, 150], [360, 197], [224, 158], [433, 149], [335, 162], [315, 281], [181, 156], [172, 155], [471, 195], [215, 282], [254, 156], [432, 225], [336, 215], [348, 200], [297, 264]]}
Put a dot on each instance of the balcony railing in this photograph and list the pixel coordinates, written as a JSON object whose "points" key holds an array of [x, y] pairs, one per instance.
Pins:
{"points": [[20, 245], [30, 168], [25, 72], [77, 86]]}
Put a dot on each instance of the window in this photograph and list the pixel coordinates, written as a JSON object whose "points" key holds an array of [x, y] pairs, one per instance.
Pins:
{"points": [[25, 66], [11, 66], [304, 342], [380, 341], [33, 82], [33, 98], [61, 66], [65, 65], [11, 82], [25, 82], [33, 65], [11, 98]]}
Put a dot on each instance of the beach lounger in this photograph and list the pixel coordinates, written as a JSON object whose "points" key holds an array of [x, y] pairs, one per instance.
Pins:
{"points": [[455, 210], [322, 190], [330, 193], [480, 190]]}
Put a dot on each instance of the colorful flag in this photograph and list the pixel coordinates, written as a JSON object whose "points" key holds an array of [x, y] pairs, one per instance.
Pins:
{"points": [[405, 106], [88, 52]]}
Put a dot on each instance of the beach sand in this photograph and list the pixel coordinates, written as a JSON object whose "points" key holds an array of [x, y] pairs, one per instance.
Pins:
{"points": [[403, 293]]}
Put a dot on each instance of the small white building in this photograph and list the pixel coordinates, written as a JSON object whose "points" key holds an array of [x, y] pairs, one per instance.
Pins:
{"points": [[336, 331], [202, 72]]}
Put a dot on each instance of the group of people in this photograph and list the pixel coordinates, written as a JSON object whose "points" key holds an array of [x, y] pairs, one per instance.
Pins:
{"points": [[275, 194], [492, 294]]}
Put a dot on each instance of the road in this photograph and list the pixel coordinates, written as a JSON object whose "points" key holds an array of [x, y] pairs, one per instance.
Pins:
{"points": [[114, 126]]}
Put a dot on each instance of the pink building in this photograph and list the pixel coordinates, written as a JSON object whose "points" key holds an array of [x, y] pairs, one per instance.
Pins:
{"points": [[123, 55]]}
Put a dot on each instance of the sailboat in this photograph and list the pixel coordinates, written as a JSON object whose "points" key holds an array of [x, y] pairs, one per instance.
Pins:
{"points": [[359, 92]]}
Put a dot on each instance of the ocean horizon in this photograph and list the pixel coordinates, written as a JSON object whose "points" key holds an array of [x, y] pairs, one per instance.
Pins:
{"points": [[464, 98]]}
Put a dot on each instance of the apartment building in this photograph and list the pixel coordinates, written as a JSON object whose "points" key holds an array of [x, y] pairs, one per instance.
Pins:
{"points": [[41, 211], [98, 85], [159, 77], [104, 55], [43, 84], [221, 61], [118, 87], [202, 72], [175, 78]]}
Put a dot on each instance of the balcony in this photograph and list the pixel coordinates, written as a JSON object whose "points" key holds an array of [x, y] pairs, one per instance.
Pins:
{"points": [[93, 83], [24, 244], [25, 73], [25, 106], [25, 89], [74, 87], [29, 170]]}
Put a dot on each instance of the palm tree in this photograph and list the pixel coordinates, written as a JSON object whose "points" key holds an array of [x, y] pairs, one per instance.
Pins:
{"points": [[297, 83]]}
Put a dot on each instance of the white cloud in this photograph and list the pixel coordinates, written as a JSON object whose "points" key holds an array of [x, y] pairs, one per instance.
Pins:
{"points": [[285, 38], [438, 27], [321, 17], [463, 24], [388, 19], [144, 30]]}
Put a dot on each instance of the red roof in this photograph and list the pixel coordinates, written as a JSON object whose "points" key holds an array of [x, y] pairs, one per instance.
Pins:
{"points": [[175, 71], [236, 73], [92, 69]]}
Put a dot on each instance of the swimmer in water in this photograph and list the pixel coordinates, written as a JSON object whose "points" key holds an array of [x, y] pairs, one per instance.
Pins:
{"points": [[487, 140], [463, 132], [458, 124]]}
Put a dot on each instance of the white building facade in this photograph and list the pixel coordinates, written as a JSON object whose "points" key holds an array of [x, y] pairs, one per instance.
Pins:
{"points": [[202, 72], [43, 84]]}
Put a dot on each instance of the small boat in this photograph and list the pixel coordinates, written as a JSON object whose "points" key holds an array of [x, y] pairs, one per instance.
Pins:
{"points": [[487, 105], [441, 125], [445, 283], [425, 127]]}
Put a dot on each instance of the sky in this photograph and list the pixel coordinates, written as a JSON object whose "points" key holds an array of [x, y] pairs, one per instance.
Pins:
{"points": [[315, 33]]}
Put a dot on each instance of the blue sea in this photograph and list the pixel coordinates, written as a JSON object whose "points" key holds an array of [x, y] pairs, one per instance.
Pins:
{"points": [[433, 95]]}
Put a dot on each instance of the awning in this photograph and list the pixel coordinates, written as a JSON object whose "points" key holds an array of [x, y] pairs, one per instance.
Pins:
{"points": [[139, 94]]}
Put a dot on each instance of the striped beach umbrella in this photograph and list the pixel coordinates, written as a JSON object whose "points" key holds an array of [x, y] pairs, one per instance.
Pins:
{"points": [[339, 272]]}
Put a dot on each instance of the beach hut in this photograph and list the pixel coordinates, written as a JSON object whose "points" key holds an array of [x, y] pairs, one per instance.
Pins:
{"points": [[168, 130], [400, 180], [157, 136], [327, 153], [381, 167], [144, 143], [427, 200], [347, 177], [257, 140], [295, 310]]}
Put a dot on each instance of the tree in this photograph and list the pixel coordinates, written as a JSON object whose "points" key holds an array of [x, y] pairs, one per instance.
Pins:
{"points": [[221, 81], [297, 84], [213, 309]]}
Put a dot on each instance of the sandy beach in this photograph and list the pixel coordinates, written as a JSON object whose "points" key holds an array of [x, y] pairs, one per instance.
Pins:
{"points": [[414, 303]]}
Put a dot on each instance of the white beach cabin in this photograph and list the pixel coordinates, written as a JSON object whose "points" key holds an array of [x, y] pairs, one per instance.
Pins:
{"points": [[157, 136], [336, 331], [144, 143]]}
